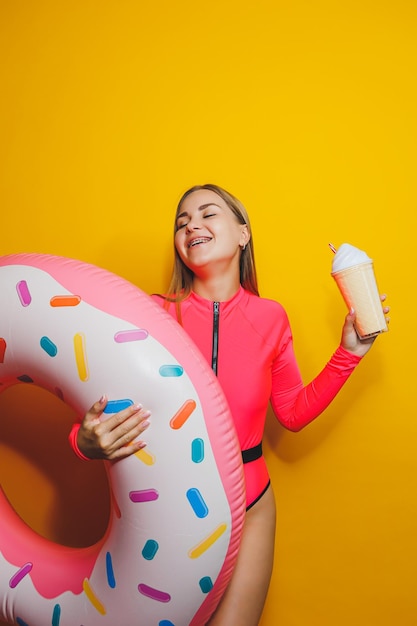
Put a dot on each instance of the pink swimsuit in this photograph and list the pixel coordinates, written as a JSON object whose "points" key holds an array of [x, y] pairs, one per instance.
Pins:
{"points": [[247, 341]]}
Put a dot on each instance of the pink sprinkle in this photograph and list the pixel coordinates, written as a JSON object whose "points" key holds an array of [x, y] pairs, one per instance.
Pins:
{"points": [[153, 593], [20, 574], [123, 336], [145, 495], [23, 293]]}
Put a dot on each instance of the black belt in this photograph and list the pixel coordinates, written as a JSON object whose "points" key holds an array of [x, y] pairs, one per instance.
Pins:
{"points": [[251, 454]]}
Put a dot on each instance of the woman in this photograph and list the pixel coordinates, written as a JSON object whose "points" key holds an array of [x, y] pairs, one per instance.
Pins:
{"points": [[247, 341]]}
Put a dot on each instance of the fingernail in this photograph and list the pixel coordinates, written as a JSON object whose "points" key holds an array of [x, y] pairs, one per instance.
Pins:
{"points": [[137, 407], [102, 399], [145, 423]]}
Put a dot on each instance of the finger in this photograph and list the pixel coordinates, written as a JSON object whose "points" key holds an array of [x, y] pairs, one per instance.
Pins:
{"points": [[124, 420], [125, 451], [131, 428], [351, 316], [95, 412]]}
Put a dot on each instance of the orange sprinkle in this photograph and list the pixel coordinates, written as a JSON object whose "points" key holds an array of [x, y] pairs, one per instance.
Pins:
{"points": [[182, 415], [65, 301]]}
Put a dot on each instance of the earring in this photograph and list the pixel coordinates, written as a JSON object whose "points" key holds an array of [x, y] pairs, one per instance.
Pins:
{"points": [[243, 247]]}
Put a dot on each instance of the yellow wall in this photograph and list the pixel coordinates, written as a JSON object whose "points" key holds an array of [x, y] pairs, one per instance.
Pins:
{"points": [[306, 110]]}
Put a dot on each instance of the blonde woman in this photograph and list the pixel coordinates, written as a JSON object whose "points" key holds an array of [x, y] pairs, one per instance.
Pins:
{"points": [[247, 341]]}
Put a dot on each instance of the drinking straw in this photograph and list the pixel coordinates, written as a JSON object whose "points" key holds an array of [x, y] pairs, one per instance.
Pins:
{"points": [[332, 248]]}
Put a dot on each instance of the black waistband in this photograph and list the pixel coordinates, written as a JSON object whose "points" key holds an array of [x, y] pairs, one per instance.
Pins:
{"points": [[251, 454]]}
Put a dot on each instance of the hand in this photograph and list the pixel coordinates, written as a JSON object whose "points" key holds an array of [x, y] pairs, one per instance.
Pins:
{"points": [[350, 340], [112, 438]]}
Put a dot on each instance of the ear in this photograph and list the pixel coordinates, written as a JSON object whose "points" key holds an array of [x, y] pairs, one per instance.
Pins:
{"points": [[244, 236]]}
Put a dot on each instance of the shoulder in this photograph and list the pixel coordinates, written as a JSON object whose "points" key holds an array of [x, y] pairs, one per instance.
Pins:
{"points": [[271, 309]]}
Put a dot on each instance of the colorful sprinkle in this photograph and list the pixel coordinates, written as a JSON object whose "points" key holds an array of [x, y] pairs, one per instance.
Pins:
{"points": [[93, 598], [23, 293], [20, 622], [24, 378], [171, 370], [166, 622], [124, 336], [204, 545], [182, 415], [3, 346], [110, 572], [197, 450], [145, 495], [146, 457], [49, 346], [153, 593], [196, 500], [65, 301], [81, 356], [56, 615], [150, 549], [206, 584], [114, 406], [20, 574]]}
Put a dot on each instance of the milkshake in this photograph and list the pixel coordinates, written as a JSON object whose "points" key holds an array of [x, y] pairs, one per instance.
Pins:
{"points": [[353, 272]]}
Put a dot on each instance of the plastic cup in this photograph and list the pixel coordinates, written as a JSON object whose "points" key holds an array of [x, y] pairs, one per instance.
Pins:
{"points": [[359, 289]]}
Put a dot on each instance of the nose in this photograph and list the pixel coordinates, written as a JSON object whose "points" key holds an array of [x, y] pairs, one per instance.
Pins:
{"points": [[192, 225]]}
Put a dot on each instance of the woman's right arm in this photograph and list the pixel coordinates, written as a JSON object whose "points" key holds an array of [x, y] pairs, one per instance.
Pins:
{"points": [[113, 438]]}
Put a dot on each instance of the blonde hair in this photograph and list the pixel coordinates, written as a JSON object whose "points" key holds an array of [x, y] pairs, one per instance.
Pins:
{"points": [[182, 278]]}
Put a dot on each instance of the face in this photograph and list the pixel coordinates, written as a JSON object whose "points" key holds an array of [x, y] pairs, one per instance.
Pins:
{"points": [[208, 234]]}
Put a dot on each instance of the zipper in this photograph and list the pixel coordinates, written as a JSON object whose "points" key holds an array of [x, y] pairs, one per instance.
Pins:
{"points": [[215, 349]]}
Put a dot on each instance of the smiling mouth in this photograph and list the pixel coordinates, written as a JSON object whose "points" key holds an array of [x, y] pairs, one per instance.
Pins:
{"points": [[196, 242]]}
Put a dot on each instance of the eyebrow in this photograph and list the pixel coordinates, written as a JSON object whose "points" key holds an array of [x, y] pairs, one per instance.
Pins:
{"points": [[200, 208]]}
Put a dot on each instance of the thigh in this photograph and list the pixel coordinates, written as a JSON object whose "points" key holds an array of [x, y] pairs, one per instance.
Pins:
{"points": [[244, 599]]}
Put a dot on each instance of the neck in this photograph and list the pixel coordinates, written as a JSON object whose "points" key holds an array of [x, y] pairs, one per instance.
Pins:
{"points": [[217, 289]]}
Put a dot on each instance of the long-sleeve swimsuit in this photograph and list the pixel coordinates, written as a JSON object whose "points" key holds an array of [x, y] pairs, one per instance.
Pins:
{"points": [[248, 343]]}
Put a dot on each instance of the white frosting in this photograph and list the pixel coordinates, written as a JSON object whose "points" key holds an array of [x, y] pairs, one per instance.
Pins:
{"points": [[348, 256]]}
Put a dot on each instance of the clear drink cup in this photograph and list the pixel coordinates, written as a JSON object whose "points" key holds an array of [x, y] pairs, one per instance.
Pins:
{"points": [[354, 274]]}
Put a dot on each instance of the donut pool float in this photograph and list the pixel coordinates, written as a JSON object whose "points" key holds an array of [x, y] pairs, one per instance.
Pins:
{"points": [[178, 505]]}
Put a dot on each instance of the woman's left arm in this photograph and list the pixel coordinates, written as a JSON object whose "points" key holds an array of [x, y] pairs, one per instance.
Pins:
{"points": [[296, 404]]}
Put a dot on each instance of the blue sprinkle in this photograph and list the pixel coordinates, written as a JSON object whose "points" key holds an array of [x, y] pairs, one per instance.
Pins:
{"points": [[56, 617], [49, 346], [20, 622], [110, 573], [206, 584], [196, 500], [114, 406], [166, 622], [171, 370], [150, 548], [197, 450]]}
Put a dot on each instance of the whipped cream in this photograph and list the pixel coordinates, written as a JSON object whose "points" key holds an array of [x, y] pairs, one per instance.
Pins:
{"points": [[348, 256]]}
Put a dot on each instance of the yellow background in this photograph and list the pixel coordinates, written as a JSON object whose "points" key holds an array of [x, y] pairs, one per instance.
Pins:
{"points": [[306, 111]]}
